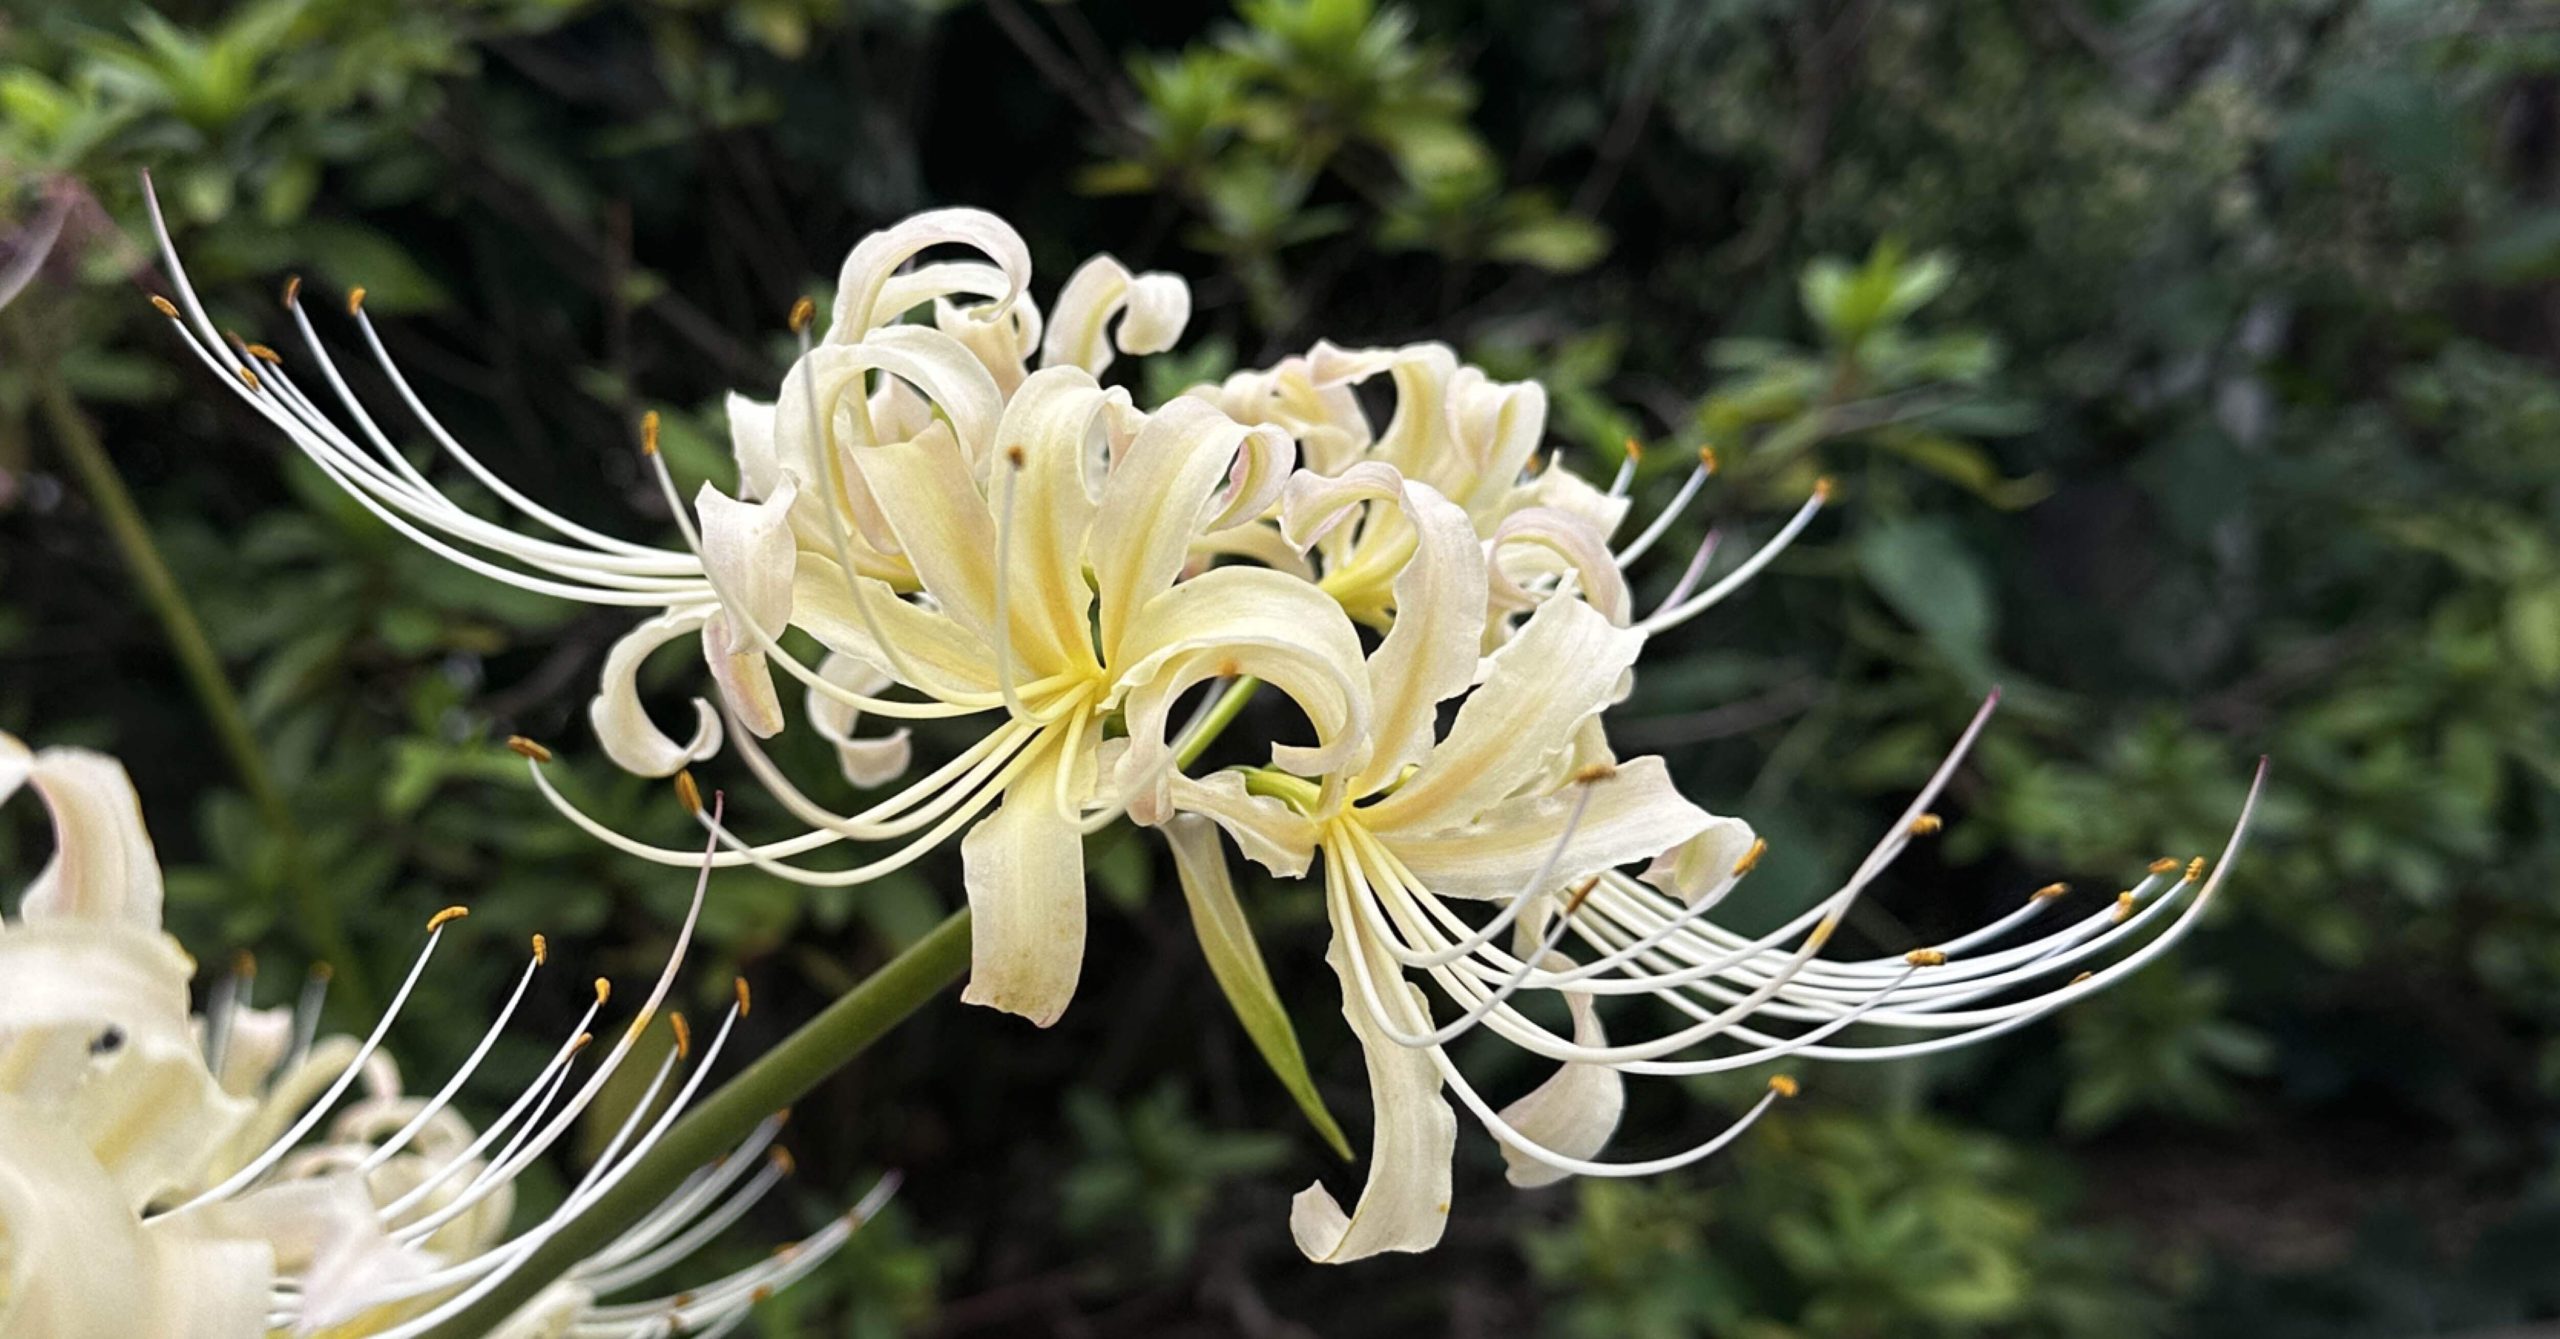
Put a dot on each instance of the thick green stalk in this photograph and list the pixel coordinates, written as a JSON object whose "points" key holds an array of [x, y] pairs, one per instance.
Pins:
{"points": [[787, 1073], [315, 917]]}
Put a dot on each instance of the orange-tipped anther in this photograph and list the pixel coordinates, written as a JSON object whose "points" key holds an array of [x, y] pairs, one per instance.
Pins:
{"points": [[684, 1034], [649, 433], [1751, 859], [292, 291], [164, 306], [688, 793], [2049, 892], [355, 300], [803, 312], [604, 990], [1784, 1085], [1595, 772], [1927, 825], [1635, 449], [541, 949], [746, 1002], [1822, 488], [446, 917], [527, 749], [1926, 957], [2163, 865]]}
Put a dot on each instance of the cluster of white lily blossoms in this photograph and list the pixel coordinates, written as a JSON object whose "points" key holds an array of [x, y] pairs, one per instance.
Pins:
{"points": [[169, 1174], [947, 498]]}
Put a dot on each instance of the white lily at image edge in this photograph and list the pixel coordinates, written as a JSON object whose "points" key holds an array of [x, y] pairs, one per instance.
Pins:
{"points": [[169, 1174]]}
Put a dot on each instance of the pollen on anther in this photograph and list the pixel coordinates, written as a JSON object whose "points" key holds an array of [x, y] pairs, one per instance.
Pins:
{"points": [[1927, 825], [649, 433], [684, 1034], [1635, 449], [783, 1161], [1013, 456], [2195, 869], [1926, 957], [264, 354], [1594, 773], [803, 312], [355, 299], [527, 749], [746, 1002], [2124, 906], [688, 793], [244, 963], [2163, 865], [1707, 459], [164, 306], [446, 917], [2082, 977], [2049, 892], [248, 377], [541, 949], [585, 1040], [1581, 893], [604, 990], [1751, 859], [1784, 1085], [292, 291], [1822, 932]]}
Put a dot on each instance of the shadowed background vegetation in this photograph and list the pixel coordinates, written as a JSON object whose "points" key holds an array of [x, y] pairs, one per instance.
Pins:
{"points": [[2189, 368]]}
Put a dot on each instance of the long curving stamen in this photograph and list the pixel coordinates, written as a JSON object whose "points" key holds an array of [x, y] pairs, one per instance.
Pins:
{"points": [[1664, 620], [1643, 543]]}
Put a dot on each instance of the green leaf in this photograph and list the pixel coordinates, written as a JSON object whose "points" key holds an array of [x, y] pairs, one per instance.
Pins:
{"points": [[2533, 627], [1934, 581], [1226, 939]]}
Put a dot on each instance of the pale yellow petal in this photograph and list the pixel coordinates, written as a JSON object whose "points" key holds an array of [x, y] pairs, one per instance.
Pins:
{"points": [[1024, 867], [1404, 1206], [1634, 814], [622, 724]]}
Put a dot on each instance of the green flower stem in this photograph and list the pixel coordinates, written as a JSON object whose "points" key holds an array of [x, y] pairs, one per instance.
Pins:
{"points": [[315, 915], [1219, 718], [787, 1073]]}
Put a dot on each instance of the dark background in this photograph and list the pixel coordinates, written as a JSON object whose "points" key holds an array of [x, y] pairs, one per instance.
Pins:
{"points": [[2187, 368]]}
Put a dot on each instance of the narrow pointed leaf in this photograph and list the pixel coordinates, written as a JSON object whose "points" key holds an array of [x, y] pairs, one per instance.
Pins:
{"points": [[1226, 939]]}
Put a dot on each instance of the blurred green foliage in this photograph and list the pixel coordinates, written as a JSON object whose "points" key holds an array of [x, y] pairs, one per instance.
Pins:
{"points": [[2185, 368]]}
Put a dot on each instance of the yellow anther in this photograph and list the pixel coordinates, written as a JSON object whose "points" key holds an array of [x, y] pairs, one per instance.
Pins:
{"points": [[2124, 906], [2163, 865], [1635, 449], [264, 354], [2049, 892], [783, 1161], [746, 1002], [1594, 773], [782, 1118], [164, 306], [292, 291], [321, 971], [1926, 957], [1927, 825], [2195, 869], [604, 990], [526, 748], [355, 299], [585, 1040], [1707, 459], [649, 433], [2081, 977], [1581, 892], [541, 949], [684, 1034], [688, 793], [1822, 488], [244, 963], [1751, 859], [763, 1293], [683, 1299], [247, 377], [1822, 932], [446, 917], [1784, 1085], [803, 312]]}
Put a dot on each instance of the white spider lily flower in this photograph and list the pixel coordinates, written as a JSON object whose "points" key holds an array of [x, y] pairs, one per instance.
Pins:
{"points": [[1472, 439], [1011, 618], [234, 1176], [1520, 805]]}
